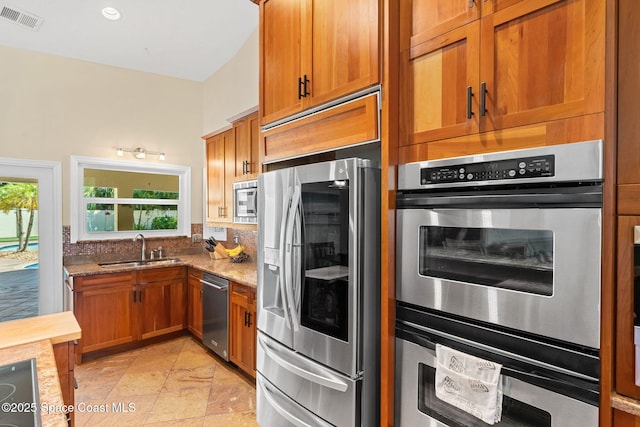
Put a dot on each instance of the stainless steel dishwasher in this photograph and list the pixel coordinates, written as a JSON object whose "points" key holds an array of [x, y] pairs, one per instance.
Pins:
{"points": [[215, 314]]}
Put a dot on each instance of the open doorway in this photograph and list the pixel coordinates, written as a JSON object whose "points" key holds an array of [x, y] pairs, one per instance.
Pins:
{"points": [[19, 281], [30, 238]]}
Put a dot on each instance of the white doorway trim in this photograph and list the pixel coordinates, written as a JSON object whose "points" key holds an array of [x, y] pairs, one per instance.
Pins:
{"points": [[49, 177]]}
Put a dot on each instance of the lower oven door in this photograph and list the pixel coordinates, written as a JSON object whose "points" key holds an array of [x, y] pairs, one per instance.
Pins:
{"points": [[531, 269], [524, 404]]}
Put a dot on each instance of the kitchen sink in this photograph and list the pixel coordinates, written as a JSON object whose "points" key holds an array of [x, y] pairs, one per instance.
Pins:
{"points": [[139, 263], [19, 391]]}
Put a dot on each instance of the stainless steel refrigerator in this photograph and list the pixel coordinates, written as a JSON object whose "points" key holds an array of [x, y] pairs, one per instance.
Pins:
{"points": [[319, 295]]}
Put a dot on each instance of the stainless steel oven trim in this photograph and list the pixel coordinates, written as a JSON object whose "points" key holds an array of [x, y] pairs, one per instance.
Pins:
{"points": [[564, 410], [504, 353], [574, 162], [493, 304]]}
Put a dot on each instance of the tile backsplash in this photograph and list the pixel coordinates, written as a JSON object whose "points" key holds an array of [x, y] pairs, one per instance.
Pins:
{"points": [[128, 249]]}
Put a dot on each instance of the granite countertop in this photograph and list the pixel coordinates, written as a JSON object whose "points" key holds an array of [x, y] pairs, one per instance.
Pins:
{"points": [[625, 404], [33, 337], [244, 272], [48, 383]]}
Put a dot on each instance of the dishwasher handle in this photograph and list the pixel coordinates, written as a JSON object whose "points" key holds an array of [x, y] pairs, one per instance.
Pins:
{"points": [[213, 285]]}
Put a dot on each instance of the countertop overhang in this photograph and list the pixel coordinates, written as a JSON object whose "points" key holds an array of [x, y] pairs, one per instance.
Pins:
{"points": [[34, 337]]}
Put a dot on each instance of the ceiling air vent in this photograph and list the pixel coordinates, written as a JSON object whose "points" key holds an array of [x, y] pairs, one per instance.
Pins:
{"points": [[20, 17]]}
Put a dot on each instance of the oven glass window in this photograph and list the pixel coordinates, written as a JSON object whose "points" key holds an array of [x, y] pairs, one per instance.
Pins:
{"points": [[325, 243], [514, 259], [514, 412]]}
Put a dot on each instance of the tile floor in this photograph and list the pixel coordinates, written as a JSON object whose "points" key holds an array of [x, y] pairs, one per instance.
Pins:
{"points": [[174, 383]]}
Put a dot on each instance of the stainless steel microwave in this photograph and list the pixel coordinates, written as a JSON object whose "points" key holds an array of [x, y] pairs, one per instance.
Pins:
{"points": [[245, 198]]}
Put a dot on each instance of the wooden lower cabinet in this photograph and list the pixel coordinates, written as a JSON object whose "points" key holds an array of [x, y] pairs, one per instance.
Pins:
{"points": [[625, 419], [161, 301], [194, 302], [242, 327], [120, 308], [64, 354], [105, 310]]}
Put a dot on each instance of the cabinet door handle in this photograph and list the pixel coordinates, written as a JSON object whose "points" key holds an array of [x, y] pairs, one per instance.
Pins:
{"points": [[245, 318], [140, 296], [483, 99], [471, 2], [300, 88], [244, 167], [135, 296], [469, 104], [248, 319], [305, 81]]}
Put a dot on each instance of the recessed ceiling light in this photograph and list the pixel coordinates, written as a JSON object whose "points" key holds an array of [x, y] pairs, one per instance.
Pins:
{"points": [[111, 13]]}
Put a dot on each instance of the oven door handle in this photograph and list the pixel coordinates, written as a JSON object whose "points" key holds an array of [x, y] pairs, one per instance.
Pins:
{"points": [[321, 377], [533, 376], [588, 196]]}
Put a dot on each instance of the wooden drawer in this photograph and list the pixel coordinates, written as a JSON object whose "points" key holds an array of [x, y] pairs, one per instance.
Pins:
{"points": [[243, 295], [195, 273], [158, 274], [99, 281], [351, 123]]}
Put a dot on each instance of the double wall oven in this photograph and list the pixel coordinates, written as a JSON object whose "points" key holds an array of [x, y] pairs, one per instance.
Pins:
{"points": [[318, 295], [499, 257]]}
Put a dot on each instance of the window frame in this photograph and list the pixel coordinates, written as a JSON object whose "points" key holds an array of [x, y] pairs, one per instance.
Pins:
{"points": [[78, 217]]}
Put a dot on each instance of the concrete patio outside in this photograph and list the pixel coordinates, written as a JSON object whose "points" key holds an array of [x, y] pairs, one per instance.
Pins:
{"points": [[18, 288]]}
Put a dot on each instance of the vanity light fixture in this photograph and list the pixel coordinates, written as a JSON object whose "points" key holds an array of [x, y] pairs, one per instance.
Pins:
{"points": [[111, 13], [139, 152]]}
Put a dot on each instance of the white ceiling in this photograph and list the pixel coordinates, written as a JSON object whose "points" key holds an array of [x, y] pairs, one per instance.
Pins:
{"points": [[187, 39]]}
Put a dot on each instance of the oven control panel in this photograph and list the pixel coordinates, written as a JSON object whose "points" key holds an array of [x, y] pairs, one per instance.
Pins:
{"points": [[525, 167]]}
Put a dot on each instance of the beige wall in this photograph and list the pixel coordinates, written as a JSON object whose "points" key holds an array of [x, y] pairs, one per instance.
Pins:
{"points": [[53, 107], [233, 89]]}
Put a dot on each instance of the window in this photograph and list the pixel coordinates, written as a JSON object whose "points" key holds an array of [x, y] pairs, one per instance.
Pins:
{"points": [[119, 199]]}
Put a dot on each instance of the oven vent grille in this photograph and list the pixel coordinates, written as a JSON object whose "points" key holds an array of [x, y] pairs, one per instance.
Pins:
{"points": [[20, 17]]}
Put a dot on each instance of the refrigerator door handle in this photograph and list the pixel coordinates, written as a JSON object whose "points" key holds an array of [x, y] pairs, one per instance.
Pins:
{"points": [[289, 249], [271, 396], [281, 273], [322, 377]]}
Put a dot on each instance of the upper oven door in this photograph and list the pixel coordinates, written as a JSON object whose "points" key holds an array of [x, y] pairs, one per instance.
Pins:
{"points": [[534, 270]]}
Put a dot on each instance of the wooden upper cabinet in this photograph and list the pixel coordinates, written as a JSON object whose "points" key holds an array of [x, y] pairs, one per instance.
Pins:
{"points": [[220, 171], [628, 112], [246, 133], [440, 77], [314, 51], [281, 68], [344, 53], [542, 61], [423, 20], [519, 63]]}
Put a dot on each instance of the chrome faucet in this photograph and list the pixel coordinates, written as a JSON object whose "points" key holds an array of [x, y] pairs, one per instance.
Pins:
{"points": [[139, 235]]}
